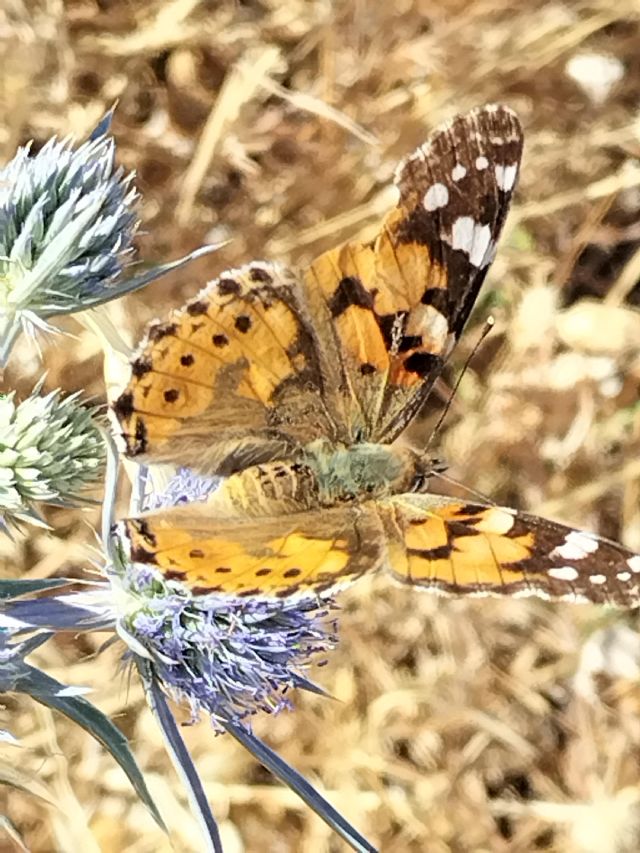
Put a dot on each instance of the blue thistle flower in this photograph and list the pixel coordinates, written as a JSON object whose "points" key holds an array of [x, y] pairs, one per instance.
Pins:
{"points": [[67, 222], [183, 487]]}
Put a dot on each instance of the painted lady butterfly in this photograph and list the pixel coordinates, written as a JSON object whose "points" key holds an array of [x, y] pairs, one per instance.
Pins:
{"points": [[295, 386]]}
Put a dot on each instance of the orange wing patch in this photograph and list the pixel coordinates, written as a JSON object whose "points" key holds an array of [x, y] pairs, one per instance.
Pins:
{"points": [[305, 553], [474, 549], [232, 378], [371, 293], [367, 286], [457, 547]]}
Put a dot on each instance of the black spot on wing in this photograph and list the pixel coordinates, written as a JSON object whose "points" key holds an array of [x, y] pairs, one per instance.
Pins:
{"points": [[162, 330], [139, 554], [174, 575], [349, 292], [123, 406], [229, 287], [141, 366], [243, 323], [197, 308], [292, 573], [409, 342], [142, 527], [141, 439], [439, 298], [256, 274], [422, 363], [477, 510], [442, 552]]}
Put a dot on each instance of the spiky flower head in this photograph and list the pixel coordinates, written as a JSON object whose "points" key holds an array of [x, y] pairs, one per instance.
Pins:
{"points": [[66, 226], [228, 656], [51, 451], [67, 221]]}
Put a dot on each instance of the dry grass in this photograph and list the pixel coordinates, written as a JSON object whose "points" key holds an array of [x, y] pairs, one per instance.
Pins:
{"points": [[458, 726]]}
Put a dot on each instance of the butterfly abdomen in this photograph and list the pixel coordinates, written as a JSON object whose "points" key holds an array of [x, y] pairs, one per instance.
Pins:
{"points": [[275, 488]]}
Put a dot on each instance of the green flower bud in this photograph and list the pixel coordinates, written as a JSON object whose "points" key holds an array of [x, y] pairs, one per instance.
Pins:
{"points": [[51, 451]]}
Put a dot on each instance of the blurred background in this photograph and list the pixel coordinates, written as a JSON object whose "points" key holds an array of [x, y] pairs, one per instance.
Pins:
{"points": [[458, 725]]}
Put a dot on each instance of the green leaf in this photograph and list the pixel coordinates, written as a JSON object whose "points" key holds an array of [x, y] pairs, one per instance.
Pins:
{"points": [[297, 783], [181, 759], [15, 588], [53, 694]]}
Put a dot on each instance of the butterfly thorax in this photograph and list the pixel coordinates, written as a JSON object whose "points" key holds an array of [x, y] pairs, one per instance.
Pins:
{"points": [[361, 471]]}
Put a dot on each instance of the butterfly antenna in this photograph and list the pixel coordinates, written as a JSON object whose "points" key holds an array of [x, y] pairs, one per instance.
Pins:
{"points": [[488, 326], [453, 482]]}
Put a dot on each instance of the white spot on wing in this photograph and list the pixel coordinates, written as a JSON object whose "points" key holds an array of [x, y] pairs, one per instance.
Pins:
{"points": [[431, 325], [482, 246], [634, 563], [598, 579], [576, 546], [474, 240], [564, 573], [624, 576], [506, 176], [458, 172], [462, 234], [481, 163], [436, 196], [496, 520]]}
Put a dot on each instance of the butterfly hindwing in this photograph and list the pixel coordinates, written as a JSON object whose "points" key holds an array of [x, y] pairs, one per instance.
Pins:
{"points": [[302, 553]]}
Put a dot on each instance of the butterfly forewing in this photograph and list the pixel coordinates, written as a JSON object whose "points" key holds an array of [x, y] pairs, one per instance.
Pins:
{"points": [[232, 379], [399, 302], [477, 549]]}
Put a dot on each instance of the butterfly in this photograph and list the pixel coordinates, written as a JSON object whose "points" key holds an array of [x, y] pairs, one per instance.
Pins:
{"points": [[294, 387]]}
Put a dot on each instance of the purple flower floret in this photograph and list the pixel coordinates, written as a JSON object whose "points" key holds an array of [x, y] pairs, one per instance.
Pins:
{"points": [[228, 656], [184, 487]]}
